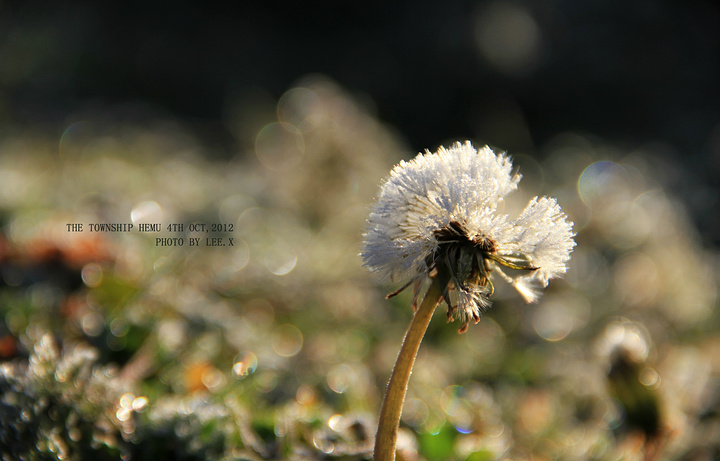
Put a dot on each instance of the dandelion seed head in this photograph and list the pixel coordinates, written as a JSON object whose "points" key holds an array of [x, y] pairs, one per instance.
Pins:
{"points": [[438, 214]]}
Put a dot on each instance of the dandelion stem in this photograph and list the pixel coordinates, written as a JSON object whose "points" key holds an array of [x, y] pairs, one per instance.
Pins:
{"points": [[386, 438]]}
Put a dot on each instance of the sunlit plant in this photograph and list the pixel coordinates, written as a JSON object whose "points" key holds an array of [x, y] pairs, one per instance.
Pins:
{"points": [[436, 226]]}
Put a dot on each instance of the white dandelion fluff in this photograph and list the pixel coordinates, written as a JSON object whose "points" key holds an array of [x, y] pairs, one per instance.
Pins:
{"points": [[437, 217]]}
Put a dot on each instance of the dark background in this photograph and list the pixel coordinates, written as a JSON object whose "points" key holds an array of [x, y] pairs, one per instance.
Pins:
{"points": [[632, 73]]}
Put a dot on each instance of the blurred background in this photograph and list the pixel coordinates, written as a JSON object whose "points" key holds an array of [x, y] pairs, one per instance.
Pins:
{"points": [[282, 121]]}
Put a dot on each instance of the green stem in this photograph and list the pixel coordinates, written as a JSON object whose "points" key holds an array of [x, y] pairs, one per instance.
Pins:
{"points": [[397, 387]]}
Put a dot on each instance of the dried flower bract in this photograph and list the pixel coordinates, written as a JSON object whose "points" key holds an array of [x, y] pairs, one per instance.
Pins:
{"points": [[437, 216]]}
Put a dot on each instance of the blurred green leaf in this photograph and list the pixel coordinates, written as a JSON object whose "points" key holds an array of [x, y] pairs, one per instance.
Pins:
{"points": [[482, 455], [439, 446]]}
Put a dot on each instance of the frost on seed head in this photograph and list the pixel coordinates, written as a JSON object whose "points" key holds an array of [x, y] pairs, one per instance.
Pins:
{"points": [[437, 216]]}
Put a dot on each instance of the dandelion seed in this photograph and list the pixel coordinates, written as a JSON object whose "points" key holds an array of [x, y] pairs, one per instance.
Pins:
{"points": [[437, 220], [437, 217]]}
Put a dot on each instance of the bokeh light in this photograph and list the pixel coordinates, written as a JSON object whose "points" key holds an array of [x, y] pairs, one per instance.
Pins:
{"points": [[508, 37], [244, 365]]}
